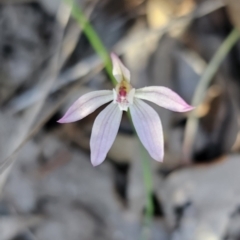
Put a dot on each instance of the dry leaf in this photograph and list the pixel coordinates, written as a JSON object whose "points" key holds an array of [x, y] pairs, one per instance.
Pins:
{"points": [[160, 12]]}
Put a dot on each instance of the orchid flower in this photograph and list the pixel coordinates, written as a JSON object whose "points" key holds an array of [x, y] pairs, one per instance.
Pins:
{"points": [[145, 119]]}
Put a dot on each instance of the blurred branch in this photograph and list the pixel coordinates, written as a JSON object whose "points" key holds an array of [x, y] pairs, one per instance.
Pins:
{"points": [[79, 70], [43, 119], [22, 127], [12, 226], [150, 35], [208, 7], [42, 92], [204, 82], [16, 1], [233, 8]]}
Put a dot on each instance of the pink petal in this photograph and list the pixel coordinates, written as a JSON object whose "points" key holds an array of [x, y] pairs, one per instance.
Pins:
{"points": [[104, 132], [149, 128], [86, 104], [164, 97], [120, 72]]}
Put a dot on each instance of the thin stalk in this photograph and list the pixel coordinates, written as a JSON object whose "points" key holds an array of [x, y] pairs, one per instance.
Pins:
{"points": [[92, 36], [204, 82], [148, 184], [100, 49]]}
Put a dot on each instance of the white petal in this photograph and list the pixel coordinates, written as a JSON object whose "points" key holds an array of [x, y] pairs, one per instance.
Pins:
{"points": [[114, 96], [86, 104], [120, 72], [164, 97], [104, 132], [123, 107], [130, 95], [148, 127]]}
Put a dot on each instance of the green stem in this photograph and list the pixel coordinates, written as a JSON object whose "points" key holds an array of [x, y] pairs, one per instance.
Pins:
{"points": [[104, 55], [204, 82], [92, 36], [148, 184]]}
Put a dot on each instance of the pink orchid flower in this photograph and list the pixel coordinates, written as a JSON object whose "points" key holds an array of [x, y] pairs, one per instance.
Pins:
{"points": [[145, 119]]}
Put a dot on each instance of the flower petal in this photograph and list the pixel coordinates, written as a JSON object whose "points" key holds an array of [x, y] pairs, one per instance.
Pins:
{"points": [[120, 72], [131, 95], [148, 127], [86, 104], [104, 132], [164, 97]]}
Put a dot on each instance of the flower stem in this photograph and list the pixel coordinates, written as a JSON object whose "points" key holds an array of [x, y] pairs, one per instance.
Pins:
{"points": [[204, 82], [148, 184], [100, 49], [92, 36]]}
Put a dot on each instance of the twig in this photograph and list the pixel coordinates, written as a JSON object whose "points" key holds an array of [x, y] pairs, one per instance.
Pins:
{"points": [[8, 161], [204, 82], [23, 128]]}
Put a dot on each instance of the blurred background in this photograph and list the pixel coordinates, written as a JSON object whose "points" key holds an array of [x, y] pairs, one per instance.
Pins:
{"points": [[48, 188]]}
